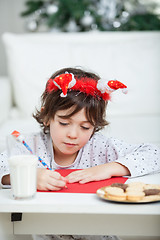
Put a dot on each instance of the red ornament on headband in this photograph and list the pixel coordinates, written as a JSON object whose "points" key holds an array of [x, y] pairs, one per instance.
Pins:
{"points": [[63, 82], [100, 89], [110, 86]]}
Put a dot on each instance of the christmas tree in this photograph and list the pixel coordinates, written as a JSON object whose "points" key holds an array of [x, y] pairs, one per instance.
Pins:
{"points": [[91, 15]]}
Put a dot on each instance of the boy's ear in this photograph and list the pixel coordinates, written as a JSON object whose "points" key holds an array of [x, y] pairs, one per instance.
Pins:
{"points": [[46, 123]]}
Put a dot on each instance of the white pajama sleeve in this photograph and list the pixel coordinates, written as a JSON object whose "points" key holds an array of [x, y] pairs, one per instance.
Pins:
{"points": [[140, 159], [4, 168]]}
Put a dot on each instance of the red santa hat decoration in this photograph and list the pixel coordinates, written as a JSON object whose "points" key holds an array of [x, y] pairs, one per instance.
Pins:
{"points": [[64, 82], [110, 86], [100, 89]]}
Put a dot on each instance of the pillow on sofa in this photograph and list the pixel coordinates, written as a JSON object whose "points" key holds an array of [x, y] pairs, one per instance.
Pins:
{"points": [[132, 58]]}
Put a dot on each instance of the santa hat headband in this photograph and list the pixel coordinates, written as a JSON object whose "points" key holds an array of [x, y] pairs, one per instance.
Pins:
{"points": [[97, 89]]}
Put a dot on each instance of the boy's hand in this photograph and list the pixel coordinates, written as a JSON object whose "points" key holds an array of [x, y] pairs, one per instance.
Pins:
{"points": [[49, 180], [98, 173]]}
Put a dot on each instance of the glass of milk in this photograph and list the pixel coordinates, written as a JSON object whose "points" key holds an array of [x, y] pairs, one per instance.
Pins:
{"points": [[23, 167]]}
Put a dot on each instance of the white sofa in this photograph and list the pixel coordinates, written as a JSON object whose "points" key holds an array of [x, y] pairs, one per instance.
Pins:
{"points": [[130, 57]]}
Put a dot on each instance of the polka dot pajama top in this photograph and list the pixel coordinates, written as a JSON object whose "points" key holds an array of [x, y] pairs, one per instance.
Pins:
{"points": [[140, 159]]}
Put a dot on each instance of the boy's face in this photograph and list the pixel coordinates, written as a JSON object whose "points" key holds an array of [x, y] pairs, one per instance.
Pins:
{"points": [[71, 134]]}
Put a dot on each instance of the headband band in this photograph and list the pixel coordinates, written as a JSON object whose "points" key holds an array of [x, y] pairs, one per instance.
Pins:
{"points": [[101, 88]]}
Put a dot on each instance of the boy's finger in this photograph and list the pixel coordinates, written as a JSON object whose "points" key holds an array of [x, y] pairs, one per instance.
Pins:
{"points": [[53, 188], [57, 182], [55, 175]]}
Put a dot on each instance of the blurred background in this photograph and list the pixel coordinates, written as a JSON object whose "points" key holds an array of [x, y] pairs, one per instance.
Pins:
{"points": [[21, 16]]}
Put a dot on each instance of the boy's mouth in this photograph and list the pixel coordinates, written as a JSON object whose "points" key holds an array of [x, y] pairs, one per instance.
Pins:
{"points": [[70, 144]]}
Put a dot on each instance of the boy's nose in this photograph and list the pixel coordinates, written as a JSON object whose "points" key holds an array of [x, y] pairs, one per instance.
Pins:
{"points": [[72, 132]]}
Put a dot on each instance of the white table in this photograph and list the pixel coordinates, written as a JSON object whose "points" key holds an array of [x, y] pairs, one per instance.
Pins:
{"points": [[68, 213]]}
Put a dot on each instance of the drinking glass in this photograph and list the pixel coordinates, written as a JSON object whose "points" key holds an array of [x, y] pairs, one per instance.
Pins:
{"points": [[23, 167]]}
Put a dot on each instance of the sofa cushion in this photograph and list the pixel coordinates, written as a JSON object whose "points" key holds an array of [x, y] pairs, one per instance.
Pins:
{"points": [[5, 99]]}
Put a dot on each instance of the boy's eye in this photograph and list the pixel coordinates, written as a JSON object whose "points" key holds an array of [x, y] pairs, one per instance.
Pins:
{"points": [[85, 128], [63, 123]]}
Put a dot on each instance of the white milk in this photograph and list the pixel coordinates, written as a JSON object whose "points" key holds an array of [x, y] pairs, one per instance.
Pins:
{"points": [[23, 174]]}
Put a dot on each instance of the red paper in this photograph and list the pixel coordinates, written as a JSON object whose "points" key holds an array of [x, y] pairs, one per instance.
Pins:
{"points": [[90, 187]]}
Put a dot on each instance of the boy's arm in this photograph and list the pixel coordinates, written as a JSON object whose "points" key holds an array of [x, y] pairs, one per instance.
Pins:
{"points": [[117, 169], [97, 173], [143, 159], [140, 159]]}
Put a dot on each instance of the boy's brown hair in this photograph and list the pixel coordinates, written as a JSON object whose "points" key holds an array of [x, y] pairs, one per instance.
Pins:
{"points": [[95, 108]]}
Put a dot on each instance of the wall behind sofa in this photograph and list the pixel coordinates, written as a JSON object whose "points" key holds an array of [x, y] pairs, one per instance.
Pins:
{"points": [[10, 21]]}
